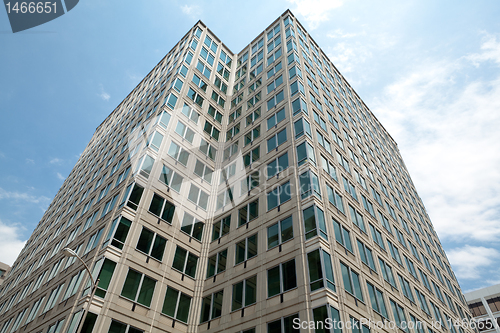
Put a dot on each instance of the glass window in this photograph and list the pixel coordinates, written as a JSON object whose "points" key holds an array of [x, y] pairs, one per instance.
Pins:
{"points": [[190, 113], [185, 262], [207, 149], [151, 244], [192, 226], [176, 304], [351, 281], [249, 182], [244, 293], [281, 278], [309, 184], [366, 255], [185, 132], [104, 277], [278, 165], [246, 249], [282, 325], [144, 167], [251, 135], [225, 197], [138, 287], [221, 227], [248, 212], [377, 300], [117, 327], [171, 99], [217, 263], [279, 195], [394, 252], [34, 310], [275, 83], [275, 100], [314, 220], [171, 179], [198, 197], [162, 208], [276, 118], [321, 313], [305, 152], [132, 196], [335, 198], [280, 232], [342, 235], [155, 140], [357, 218], [302, 126], [211, 130], [299, 105], [320, 270], [296, 87], [253, 116], [422, 301], [399, 315], [118, 232], [212, 112], [55, 328], [387, 272], [204, 69], [211, 306], [405, 286], [276, 140]]}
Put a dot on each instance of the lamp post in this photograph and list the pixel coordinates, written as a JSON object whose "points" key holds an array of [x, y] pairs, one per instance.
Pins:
{"points": [[70, 253]]}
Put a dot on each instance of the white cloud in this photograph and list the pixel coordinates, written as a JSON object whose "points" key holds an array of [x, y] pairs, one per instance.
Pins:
{"points": [[446, 125], [339, 33], [55, 161], [59, 176], [192, 10], [466, 261], [104, 95], [6, 195], [315, 11], [348, 56], [30, 161], [10, 243], [490, 50], [2, 155], [352, 49]]}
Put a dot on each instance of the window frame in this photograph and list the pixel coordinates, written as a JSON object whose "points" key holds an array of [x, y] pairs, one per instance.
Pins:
{"points": [[280, 232]]}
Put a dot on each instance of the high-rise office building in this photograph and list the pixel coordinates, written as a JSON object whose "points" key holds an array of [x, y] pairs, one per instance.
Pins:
{"points": [[248, 192]]}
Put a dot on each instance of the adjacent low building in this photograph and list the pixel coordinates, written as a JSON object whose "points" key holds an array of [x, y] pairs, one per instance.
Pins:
{"points": [[484, 304]]}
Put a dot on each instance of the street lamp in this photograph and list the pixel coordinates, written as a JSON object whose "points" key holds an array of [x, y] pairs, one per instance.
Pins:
{"points": [[70, 253]]}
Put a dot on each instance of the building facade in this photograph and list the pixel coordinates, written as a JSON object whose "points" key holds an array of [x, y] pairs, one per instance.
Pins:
{"points": [[484, 304], [248, 192]]}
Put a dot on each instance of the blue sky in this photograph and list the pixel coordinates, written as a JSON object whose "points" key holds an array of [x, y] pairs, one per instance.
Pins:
{"points": [[429, 70]]}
